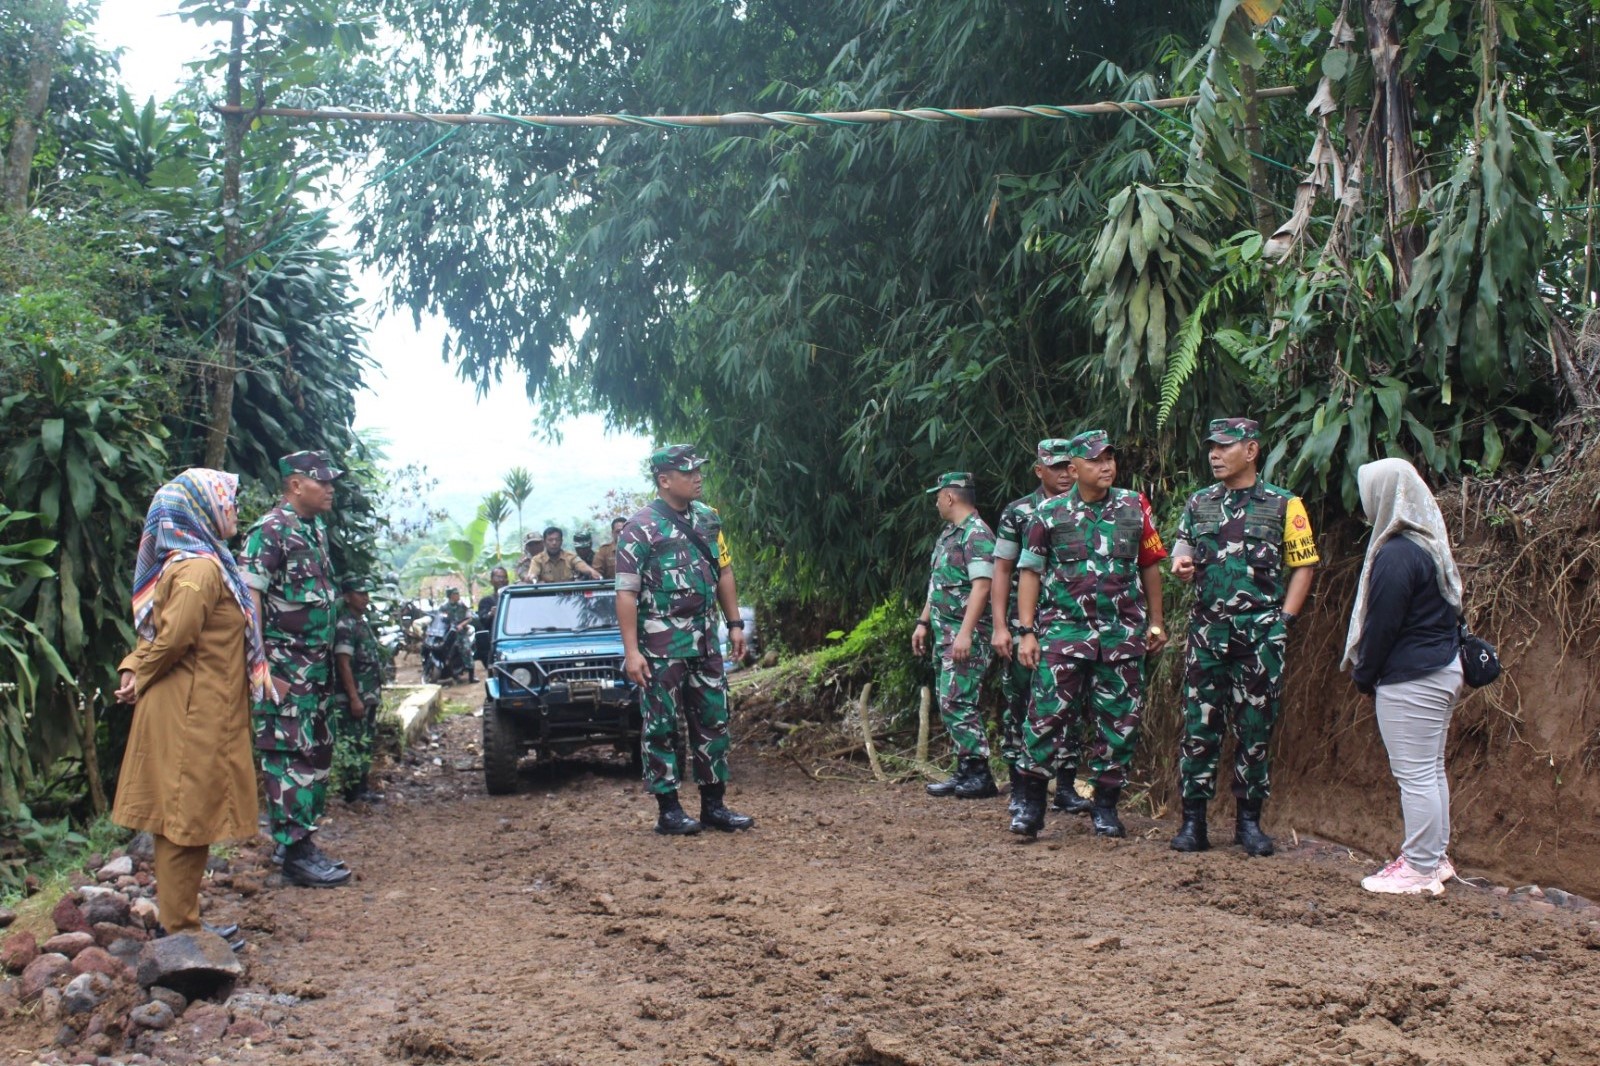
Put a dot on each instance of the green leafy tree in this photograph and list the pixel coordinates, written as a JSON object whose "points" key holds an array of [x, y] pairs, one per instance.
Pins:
{"points": [[518, 488]]}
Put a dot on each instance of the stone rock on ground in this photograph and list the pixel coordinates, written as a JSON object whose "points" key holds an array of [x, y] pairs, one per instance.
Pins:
{"points": [[252, 1029], [145, 912], [7, 916], [112, 909], [126, 951], [120, 867], [85, 992], [98, 960], [142, 848], [176, 1000], [204, 1023], [107, 933], [18, 950], [68, 917], [41, 974], [153, 1015], [69, 944], [195, 964]]}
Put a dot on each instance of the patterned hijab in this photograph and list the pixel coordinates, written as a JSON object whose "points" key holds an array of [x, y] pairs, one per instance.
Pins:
{"points": [[1398, 504], [183, 523]]}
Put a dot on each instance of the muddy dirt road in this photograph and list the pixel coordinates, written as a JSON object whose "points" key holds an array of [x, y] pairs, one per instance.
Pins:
{"points": [[869, 924]]}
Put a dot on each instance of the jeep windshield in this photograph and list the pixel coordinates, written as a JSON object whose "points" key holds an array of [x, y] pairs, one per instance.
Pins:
{"points": [[569, 611]]}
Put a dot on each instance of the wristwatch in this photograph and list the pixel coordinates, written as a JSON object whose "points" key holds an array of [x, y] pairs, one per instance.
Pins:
{"points": [[737, 623], [1156, 631], [921, 622], [1288, 617], [1025, 631]]}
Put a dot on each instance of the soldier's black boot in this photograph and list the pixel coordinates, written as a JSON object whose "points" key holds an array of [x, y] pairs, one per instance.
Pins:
{"points": [[948, 786], [1014, 804], [305, 866], [673, 821], [1067, 799], [1029, 818], [1247, 830], [714, 814], [1191, 835], [979, 782], [1103, 815]]}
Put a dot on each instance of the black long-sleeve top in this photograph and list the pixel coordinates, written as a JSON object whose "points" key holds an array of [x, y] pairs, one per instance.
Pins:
{"points": [[1410, 629]]}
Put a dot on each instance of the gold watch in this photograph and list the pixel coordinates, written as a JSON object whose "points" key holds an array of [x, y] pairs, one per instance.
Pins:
{"points": [[1156, 631]]}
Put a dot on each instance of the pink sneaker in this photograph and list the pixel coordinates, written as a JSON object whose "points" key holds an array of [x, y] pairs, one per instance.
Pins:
{"points": [[1446, 871], [1398, 878]]}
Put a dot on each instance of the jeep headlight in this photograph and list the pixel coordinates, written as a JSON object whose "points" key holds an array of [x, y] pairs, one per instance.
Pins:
{"points": [[522, 676]]}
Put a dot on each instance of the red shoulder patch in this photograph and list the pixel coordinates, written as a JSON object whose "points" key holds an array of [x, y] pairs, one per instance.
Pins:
{"points": [[1299, 521]]}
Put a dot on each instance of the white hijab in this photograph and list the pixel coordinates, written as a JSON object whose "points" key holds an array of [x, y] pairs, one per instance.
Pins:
{"points": [[1398, 502]]}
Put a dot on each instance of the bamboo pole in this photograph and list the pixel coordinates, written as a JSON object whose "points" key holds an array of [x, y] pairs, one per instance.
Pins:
{"points": [[922, 724], [746, 118], [866, 733]]}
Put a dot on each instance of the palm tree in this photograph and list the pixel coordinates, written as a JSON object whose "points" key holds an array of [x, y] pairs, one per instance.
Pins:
{"points": [[495, 509], [518, 487]]}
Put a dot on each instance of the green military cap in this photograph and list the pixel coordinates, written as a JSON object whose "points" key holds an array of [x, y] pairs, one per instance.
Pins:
{"points": [[1053, 450], [676, 457], [1233, 430], [955, 479], [1090, 444], [318, 465], [355, 584], [583, 538]]}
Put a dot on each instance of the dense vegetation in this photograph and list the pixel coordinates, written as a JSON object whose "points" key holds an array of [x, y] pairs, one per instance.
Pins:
{"points": [[114, 301], [839, 312]]}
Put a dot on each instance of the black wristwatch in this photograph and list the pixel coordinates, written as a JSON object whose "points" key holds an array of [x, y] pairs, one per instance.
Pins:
{"points": [[1025, 631], [737, 623], [920, 623], [1288, 617]]}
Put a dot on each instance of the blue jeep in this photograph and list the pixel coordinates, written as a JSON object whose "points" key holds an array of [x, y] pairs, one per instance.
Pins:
{"points": [[555, 681]]}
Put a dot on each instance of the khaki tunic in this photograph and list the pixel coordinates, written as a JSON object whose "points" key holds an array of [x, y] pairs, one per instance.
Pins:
{"points": [[188, 773]]}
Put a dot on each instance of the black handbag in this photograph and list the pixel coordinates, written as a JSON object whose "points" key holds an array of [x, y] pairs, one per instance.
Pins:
{"points": [[1480, 663]]}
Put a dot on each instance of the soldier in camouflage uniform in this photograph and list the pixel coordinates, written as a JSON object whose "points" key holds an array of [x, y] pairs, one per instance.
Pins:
{"points": [[1248, 548], [673, 573], [460, 615], [605, 558], [285, 562], [358, 690], [583, 548], [1091, 580], [1053, 468], [959, 573]]}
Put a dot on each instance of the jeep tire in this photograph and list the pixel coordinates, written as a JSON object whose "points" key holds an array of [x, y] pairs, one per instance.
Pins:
{"points": [[502, 749]]}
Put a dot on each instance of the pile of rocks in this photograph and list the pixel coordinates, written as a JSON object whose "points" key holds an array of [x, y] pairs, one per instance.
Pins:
{"points": [[109, 981]]}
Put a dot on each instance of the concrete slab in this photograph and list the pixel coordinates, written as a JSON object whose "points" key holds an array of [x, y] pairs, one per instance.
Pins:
{"points": [[416, 712]]}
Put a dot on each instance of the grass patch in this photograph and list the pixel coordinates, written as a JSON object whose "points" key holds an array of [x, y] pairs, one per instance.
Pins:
{"points": [[57, 853]]}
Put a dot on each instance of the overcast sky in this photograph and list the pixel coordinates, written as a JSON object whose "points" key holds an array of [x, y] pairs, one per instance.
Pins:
{"points": [[416, 401]]}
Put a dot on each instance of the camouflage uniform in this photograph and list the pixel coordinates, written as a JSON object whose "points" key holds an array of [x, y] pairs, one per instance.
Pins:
{"points": [[1243, 541], [1016, 680], [456, 611], [285, 558], [962, 554], [677, 589], [353, 736], [1091, 628]]}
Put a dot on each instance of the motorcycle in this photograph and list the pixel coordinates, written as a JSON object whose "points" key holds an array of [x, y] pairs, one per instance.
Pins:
{"points": [[445, 650]]}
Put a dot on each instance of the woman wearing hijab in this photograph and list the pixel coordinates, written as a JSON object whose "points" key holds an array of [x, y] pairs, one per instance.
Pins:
{"points": [[1404, 647], [188, 775]]}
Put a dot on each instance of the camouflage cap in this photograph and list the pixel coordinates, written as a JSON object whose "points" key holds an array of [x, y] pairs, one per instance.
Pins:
{"points": [[318, 465], [354, 583], [1233, 430], [1053, 450], [675, 457], [955, 479], [1090, 444]]}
